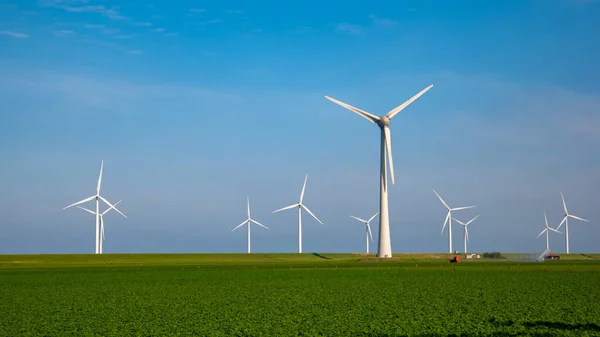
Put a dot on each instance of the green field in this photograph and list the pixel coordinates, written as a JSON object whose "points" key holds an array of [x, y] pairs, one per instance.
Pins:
{"points": [[297, 295]]}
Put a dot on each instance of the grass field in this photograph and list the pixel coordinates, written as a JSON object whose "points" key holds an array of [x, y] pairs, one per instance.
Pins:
{"points": [[297, 295]]}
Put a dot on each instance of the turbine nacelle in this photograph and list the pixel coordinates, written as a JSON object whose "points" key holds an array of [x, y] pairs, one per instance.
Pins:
{"points": [[384, 121]]}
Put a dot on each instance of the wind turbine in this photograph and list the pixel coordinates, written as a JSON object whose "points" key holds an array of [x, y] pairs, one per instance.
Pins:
{"points": [[300, 206], [97, 197], [368, 229], [546, 231], [385, 242], [449, 219], [466, 231], [248, 221], [101, 222], [565, 220]]}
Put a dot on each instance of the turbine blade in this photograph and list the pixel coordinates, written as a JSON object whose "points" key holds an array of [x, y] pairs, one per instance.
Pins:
{"points": [[240, 225], [563, 221], [467, 234], [401, 107], [461, 208], [564, 203], [87, 210], [546, 220], [545, 229], [100, 178], [286, 207], [370, 234], [442, 200], [359, 219], [554, 230], [578, 218], [118, 202], [112, 206], [373, 217], [477, 216], [81, 201], [370, 117], [303, 188], [248, 207], [311, 213], [388, 146], [445, 222], [102, 227], [460, 222], [258, 223]]}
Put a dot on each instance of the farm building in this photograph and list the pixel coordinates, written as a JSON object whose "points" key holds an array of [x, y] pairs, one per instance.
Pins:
{"points": [[552, 256]]}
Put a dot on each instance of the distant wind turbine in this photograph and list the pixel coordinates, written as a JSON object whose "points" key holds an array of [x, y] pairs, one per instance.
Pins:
{"points": [[546, 231], [466, 231], [97, 197], [101, 222], [300, 206], [449, 219], [368, 228], [565, 220], [385, 242], [248, 221]]}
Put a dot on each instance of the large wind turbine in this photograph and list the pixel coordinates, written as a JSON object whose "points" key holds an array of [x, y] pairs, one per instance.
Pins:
{"points": [[385, 241], [565, 220], [466, 231], [449, 219], [97, 197], [248, 221], [101, 222], [546, 231], [300, 206], [368, 228]]}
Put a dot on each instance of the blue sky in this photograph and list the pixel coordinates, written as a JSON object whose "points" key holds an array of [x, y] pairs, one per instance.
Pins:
{"points": [[194, 106]]}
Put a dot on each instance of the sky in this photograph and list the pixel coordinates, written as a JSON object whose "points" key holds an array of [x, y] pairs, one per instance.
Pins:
{"points": [[195, 106]]}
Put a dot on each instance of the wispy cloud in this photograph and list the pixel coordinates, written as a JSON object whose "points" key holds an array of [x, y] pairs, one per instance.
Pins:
{"points": [[14, 34], [144, 24], [197, 10], [123, 36], [349, 29], [81, 6], [63, 32], [171, 34], [94, 26], [134, 52], [382, 21], [158, 30]]}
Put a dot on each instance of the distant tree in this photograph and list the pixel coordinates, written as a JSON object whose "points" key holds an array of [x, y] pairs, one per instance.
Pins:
{"points": [[493, 255]]}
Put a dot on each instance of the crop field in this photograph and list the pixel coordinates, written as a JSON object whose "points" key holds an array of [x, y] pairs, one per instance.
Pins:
{"points": [[291, 295]]}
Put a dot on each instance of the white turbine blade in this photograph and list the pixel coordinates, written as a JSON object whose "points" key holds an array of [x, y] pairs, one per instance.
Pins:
{"points": [[546, 220], [240, 225], [112, 206], [545, 229], [564, 203], [460, 222], [461, 208], [87, 210], [472, 220], [388, 146], [467, 234], [370, 117], [578, 218], [359, 219], [370, 234], [401, 107], [248, 208], [554, 230], [81, 201], [100, 178], [102, 227], [311, 213], [118, 202], [445, 222], [258, 223], [373, 217], [303, 188], [442, 200], [286, 207], [563, 221]]}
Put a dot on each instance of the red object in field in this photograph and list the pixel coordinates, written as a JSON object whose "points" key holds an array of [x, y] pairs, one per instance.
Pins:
{"points": [[455, 259]]}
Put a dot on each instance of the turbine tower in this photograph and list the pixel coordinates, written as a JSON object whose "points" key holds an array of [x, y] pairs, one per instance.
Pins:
{"points": [[300, 206], [368, 228], [546, 231], [248, 221], [565, 220], [385, 242], [466, 231], [449, 220], [97, 197], [101, 222]]}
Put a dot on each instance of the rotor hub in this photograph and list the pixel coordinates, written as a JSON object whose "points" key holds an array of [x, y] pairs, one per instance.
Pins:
{"points": [[384, 121]]}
